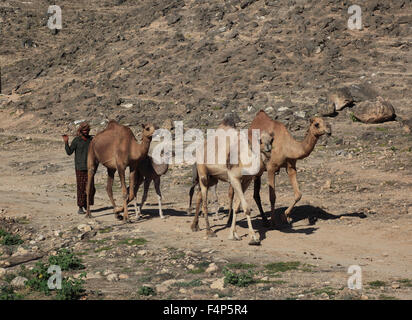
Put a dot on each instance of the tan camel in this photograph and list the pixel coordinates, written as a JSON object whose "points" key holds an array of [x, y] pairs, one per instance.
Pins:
{"points": [[148, 171], [210, 174], [195, 182], [117, 148], [285, 152]]}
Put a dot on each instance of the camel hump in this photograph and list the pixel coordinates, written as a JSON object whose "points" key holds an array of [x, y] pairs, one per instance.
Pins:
{"points": [[160, 169], [111, 124]]}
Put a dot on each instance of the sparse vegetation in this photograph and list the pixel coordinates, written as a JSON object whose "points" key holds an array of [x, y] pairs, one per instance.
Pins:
{"points": [[146, 291], [377, 284], [133, 242], [9, 239], [243, 279], [282, 266]]}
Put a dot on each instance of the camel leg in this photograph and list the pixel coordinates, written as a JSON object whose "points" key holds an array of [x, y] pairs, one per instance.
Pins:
{"points": [[195, 223], [109, 190], [204, 190], [256, 196], [139, 180], [291, 168], [217, 201], [90, 176], [231, 195], [122, 175], [276, 221], [191, 192], [159, 196], [146, 186], [238, 188]]}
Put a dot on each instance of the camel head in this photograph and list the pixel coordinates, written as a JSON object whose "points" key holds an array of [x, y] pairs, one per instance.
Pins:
{"points": [[148, 130], [266, 140], [318, 127]]}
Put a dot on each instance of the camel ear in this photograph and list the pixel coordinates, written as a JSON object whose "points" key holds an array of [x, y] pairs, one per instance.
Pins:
{"points": [[143, 125], [311, 120]]}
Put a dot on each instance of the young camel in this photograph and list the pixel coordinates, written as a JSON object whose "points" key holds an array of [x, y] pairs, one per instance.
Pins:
{"points": [[195, 182], [285, 152], [117, 148], [210, 174], [147, 172]]}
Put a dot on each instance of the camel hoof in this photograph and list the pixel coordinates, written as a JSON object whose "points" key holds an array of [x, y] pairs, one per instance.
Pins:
{"points": [[234, 237], [118, 209], [195, 229], [118, 217], [211, 234], [254, 242]]}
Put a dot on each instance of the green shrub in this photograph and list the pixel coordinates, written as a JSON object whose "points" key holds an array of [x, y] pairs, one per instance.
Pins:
{"points": [[241, 280], [9, 239], [72, 289], [7, 293], [146, 291], [66, 260]]}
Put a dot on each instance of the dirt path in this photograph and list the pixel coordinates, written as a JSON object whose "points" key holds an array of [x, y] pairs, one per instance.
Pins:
{"points": [[366, 225]]}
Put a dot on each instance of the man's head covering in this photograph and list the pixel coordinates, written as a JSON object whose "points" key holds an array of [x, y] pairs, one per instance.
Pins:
{"points": [[82, 126]]}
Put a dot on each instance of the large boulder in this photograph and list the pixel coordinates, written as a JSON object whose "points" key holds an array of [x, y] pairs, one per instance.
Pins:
{"points": [[374, 111], [341, 98]]}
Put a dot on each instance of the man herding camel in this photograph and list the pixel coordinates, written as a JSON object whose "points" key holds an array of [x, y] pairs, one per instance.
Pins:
{"points": [[80, 145]]}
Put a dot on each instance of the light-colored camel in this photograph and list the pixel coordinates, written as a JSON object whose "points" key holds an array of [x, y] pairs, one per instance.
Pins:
{"points": [[148, 171], [210, 174], [285, 152], [117, 148]]}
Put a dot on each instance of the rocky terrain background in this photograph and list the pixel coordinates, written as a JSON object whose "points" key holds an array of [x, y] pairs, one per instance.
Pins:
{"points": [[164, 60]]}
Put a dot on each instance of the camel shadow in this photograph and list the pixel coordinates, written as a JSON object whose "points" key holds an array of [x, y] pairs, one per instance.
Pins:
{"points": [[299, 213]]}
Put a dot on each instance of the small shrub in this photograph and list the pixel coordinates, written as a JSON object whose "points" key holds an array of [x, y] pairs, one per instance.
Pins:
{"points": [[146, 291], [189, 284], [282, 266], [72, 289], [38, 279], [377, 284], [240, 280], [132, 242], [9, 239], [7, 293], [244, 266], [66, 260]]}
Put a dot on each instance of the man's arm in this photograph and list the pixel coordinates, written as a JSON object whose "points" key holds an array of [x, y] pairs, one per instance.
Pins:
{"points": [[70, 149]]}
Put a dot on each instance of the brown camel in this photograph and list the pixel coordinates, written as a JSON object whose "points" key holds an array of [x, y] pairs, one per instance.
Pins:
{"points": [[148, 171], [285, 152], [117, 148], [210, 174]]}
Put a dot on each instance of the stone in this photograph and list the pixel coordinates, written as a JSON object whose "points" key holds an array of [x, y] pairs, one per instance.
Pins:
{"points": [[374, 111], [341, 98], [2, 272], [84, 228], [112, 277], [212, 268], [123, 276], [218, 284], [18, 282], [40, 237]]}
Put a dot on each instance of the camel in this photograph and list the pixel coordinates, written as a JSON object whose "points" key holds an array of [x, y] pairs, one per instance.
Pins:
{"points": [[117, 148], [195, 182], [149, 171], [285, 152], [210, 174]]}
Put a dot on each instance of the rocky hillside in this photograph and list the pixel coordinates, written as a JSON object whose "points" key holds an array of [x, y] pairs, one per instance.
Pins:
{"points": [[195, 60]]}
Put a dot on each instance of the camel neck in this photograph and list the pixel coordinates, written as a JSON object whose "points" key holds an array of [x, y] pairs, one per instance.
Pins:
{"points": [[140, 148], [308, 144]]}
